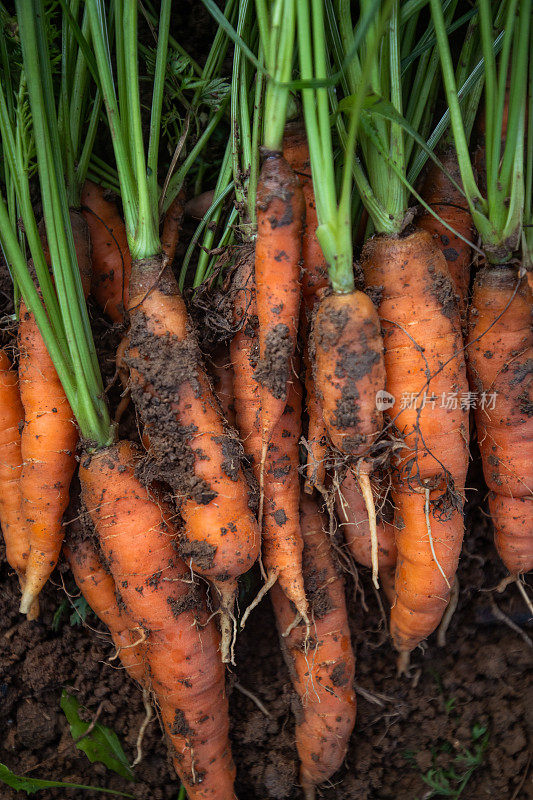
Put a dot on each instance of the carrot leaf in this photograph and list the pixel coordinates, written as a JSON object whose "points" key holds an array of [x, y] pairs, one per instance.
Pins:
{"points": [[24, 783], [100, 743]]}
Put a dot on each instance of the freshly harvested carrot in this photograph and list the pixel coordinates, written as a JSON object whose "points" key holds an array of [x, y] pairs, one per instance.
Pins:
{"points": [[280, 215], [98, 588], [186, 673], [111, 260], [197, 206], [48, 444], [349, 374], [191, 448], [424, 363], [244, 351], [500, 355], [322, 667], [282, 539], [82, 245], [353, 518], [171, 227], [222, 374], [451, 206], [13, 524], [314, 279]]}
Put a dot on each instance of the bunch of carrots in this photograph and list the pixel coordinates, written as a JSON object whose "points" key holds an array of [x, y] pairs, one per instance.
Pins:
{"points": [[252, 457]]}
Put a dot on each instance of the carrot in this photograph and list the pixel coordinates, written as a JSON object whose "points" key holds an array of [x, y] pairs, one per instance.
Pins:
{"points": [[82, 246], [11, 422], [349, 373], [244, 351], [314, 279], [322, 668], [190, 446], [111, 260], [171, 227], [48, 445], [197, 206], [282, 539], [222, 374], [98, 588], [451, 206], [500, 353], [186, 673], [280, 213], [353, 517], [423, 354]]}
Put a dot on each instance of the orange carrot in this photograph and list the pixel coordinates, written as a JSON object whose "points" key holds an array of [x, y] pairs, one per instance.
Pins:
{"points": [[48, 444], [349, 374], [98, 588], [82, 245], [451, 206], [282, 539], [222, 374], [314, 280], [190, 446], [244, 351], [353, 517], [500, 356], [197, 206], [171, 227], [111, 261], [11, 421], [322, 667], [185, 669], [424, 363], [280, 214]]}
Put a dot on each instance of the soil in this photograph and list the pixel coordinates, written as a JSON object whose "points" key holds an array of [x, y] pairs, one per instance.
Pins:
{"points": [[404, 726]]}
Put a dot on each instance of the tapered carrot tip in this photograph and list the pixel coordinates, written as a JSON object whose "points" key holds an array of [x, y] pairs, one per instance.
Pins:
{"points": [[404, 660], [308, 789], [28, 601], [33, 612], [228, 624]]}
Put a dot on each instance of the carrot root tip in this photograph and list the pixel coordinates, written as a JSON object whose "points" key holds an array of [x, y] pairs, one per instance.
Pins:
{"points": [[149, 715], [27, 603], [272, 578], [366, 490], [403, 663], [448, 614], [228, 623]]}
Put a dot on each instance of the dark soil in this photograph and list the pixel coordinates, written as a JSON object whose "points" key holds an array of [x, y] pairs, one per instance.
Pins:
{"points": [[403, 728]]}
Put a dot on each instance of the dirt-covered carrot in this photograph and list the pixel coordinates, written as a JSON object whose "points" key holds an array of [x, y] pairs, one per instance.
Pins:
{"points": [[500, 358], [321, 666], [48, 443], [190, 447], [182, 642], [111, 260], [244, 351], [97, 585], [353, 519], [424, 363], [14, 527], [314, 279], [280, 214], [448, 202]]}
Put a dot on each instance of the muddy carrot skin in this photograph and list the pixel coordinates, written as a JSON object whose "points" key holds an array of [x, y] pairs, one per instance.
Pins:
{"points": [[14, 527], [48, 445], [423, 353], [500, 355], [111, 260], [244, 351], [442, 196], [353, 519], [191, 448], [322, 669], [314, 280], [98, 588], [187, 675], [280, 215], [282, 538]]}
